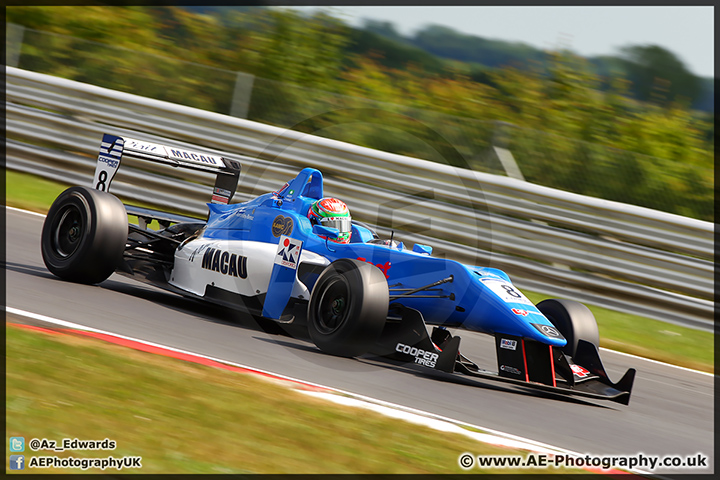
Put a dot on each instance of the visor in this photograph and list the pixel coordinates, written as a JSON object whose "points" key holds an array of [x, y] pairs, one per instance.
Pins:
{"points": [[343, 224]]}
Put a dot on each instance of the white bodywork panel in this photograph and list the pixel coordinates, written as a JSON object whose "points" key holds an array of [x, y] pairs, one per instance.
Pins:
{"points": [[237, 266]]}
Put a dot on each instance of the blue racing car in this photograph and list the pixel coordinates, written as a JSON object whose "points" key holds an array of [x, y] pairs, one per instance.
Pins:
{"points": [[296, 256]]}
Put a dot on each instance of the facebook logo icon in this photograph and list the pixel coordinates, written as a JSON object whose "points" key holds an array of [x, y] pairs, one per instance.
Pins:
{"points": [[17, 462]]}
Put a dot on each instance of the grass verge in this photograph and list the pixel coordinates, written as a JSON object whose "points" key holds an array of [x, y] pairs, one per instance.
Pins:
{"points": [[182, 417], [620, 331], [30, 192]]}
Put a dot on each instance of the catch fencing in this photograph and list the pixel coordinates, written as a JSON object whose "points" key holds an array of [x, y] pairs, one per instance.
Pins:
{"points": [[621, 256]]}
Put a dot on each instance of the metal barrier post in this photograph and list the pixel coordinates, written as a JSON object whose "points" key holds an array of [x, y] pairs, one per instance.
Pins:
{"points": [[242, 94], [505, 156], [13, 44]]}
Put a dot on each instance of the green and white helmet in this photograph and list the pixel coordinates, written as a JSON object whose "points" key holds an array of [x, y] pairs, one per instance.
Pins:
{"points": [[333, 213]]}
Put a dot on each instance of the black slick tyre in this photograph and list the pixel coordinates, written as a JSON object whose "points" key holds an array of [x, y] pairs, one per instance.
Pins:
{"points": [[84, 235], [574, 320], [348, 308]]}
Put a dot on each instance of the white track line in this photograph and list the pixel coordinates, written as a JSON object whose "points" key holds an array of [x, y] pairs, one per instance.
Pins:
{"points": [[343, 397], [657, 362], [25, 211]]}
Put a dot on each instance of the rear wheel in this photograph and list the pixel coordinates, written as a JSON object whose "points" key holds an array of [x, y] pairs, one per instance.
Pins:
{"points": [[574, 320], [84, 235], [348, 308]]}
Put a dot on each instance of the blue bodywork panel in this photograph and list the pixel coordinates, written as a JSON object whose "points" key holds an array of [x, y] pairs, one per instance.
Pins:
{"points": [[479, 299]]}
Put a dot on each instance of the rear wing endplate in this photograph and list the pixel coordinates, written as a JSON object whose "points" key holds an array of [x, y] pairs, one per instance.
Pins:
{"points": [[114, 148]]}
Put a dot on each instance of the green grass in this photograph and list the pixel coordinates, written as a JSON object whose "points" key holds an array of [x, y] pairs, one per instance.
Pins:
{"points": [[37, 194], [619, 331], [182, 417], [30, 192]]}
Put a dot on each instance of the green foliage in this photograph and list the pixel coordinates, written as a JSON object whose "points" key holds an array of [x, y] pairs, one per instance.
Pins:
{"points": [[132, 49], [600, 143], [390, 53], [658, 75], [574, 122], [299, 50], [706, 100], [448, 43], [385, 29]]}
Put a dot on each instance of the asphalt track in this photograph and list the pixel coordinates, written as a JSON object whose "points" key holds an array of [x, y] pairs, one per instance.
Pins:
{"points": [[671, 411]]}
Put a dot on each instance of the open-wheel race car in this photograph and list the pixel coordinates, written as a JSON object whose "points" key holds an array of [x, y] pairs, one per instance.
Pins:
{"points": [[295, 256]]}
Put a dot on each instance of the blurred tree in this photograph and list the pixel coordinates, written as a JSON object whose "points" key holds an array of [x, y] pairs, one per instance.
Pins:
{"points": [[306, 51], [658, 75], [385, 29], [294, 51], [448, 43], [390, 53], [572, 135], [572, 124], [30, 17]]}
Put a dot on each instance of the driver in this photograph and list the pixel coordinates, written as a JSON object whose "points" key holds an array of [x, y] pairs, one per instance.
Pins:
{"points": [[333, 213]]}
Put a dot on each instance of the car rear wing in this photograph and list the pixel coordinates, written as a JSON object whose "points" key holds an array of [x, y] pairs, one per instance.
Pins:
{"points": [[113, 148]]}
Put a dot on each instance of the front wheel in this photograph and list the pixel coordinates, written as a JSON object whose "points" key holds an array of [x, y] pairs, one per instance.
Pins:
{"points": [[574, 320], [348, 308], [84, 235]]}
